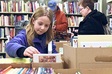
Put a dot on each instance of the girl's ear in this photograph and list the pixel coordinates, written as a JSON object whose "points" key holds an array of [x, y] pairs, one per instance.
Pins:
{"points": [[88, 7]]}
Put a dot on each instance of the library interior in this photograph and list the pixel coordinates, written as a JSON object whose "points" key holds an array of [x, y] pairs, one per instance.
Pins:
{"points": [[55, 36]]}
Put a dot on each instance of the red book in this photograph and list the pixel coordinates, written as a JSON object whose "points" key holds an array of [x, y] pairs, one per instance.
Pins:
{"points": [[14, 6], [6, 70]]}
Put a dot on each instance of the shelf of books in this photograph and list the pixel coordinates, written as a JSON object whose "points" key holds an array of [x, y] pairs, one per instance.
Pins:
{"points": [[109, 12], [71, 10], [109, 7], [12, 11]]}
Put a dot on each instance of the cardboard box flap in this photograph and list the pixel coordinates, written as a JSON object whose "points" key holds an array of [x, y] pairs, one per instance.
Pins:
{"points": [[69, 56], [48, 65]]}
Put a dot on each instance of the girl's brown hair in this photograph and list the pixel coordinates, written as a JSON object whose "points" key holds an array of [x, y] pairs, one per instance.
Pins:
{"points": [[41, 11]]}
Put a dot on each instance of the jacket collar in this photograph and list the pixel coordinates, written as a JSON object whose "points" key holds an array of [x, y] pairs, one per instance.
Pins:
{"points": [[89, 15], [39, 38]]}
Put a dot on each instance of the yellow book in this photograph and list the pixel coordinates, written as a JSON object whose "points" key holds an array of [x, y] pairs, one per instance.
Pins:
{"points": [[15, 60]]}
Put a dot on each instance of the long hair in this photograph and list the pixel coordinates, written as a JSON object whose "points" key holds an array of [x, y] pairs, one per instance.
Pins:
{"points": [[30, 32]]}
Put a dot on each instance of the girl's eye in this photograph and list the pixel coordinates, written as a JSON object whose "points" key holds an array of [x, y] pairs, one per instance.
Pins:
{"points": [[46, 25], [40, 23]]}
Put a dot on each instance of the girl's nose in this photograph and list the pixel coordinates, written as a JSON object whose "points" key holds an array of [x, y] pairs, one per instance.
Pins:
{"points": [[42, 27]]}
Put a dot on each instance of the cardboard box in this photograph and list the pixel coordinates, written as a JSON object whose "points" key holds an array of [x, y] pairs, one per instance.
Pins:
{"points": [[84, 71], [97, 65], [87, 57], [96, 71], [60, 44], [69, 56], [15, 65], [48, 65], [98, 57], [65, 71], [94, 40]]}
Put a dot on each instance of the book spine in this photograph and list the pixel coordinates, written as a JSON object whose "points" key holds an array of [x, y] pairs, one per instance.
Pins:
{"points": [[6, 70]]}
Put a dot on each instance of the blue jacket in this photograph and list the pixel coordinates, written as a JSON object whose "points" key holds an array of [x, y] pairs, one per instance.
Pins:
{"points": [[20, 41]]}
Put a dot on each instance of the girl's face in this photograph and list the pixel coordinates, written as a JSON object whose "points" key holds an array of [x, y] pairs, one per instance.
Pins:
{"points": [[84, 11], [41, 25]]}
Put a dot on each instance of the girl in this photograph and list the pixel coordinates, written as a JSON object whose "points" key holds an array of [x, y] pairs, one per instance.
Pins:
{"points": [[35, 37]]}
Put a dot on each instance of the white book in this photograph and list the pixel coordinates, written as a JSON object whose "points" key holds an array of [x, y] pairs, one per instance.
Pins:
{"points": [[110, 22], [22, 6], [26, 17], [6, 21], [2, 6], [0, 21], [3, 46], [16, 6], [66, 7], [36, 4]]}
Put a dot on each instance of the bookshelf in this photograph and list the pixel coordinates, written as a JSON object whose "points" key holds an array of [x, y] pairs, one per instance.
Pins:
{"points": [[109, 13], [12, 11], [71, 10], [102, 6], [73, 15], [109, 6]]}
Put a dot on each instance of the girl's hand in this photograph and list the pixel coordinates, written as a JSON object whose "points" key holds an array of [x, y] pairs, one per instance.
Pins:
{"points": [[30, 51]]}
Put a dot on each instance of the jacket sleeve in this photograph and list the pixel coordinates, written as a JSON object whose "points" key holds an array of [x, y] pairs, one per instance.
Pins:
{"points": [[54, 48], [91, 27], [104, 19], [62, 23], [14, 44]]}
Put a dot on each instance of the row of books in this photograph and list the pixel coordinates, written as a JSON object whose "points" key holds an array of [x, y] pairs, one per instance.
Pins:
{"points": [[22, 66], [40, 70], [5, 35], [109, 8], [30, 6], [73, 21], [72, 29], [71, 7], [7, 20], [18, 6], [7, 31]]}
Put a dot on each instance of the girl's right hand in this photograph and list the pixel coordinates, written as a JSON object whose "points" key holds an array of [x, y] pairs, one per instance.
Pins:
{"points": [[30, 51]]}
